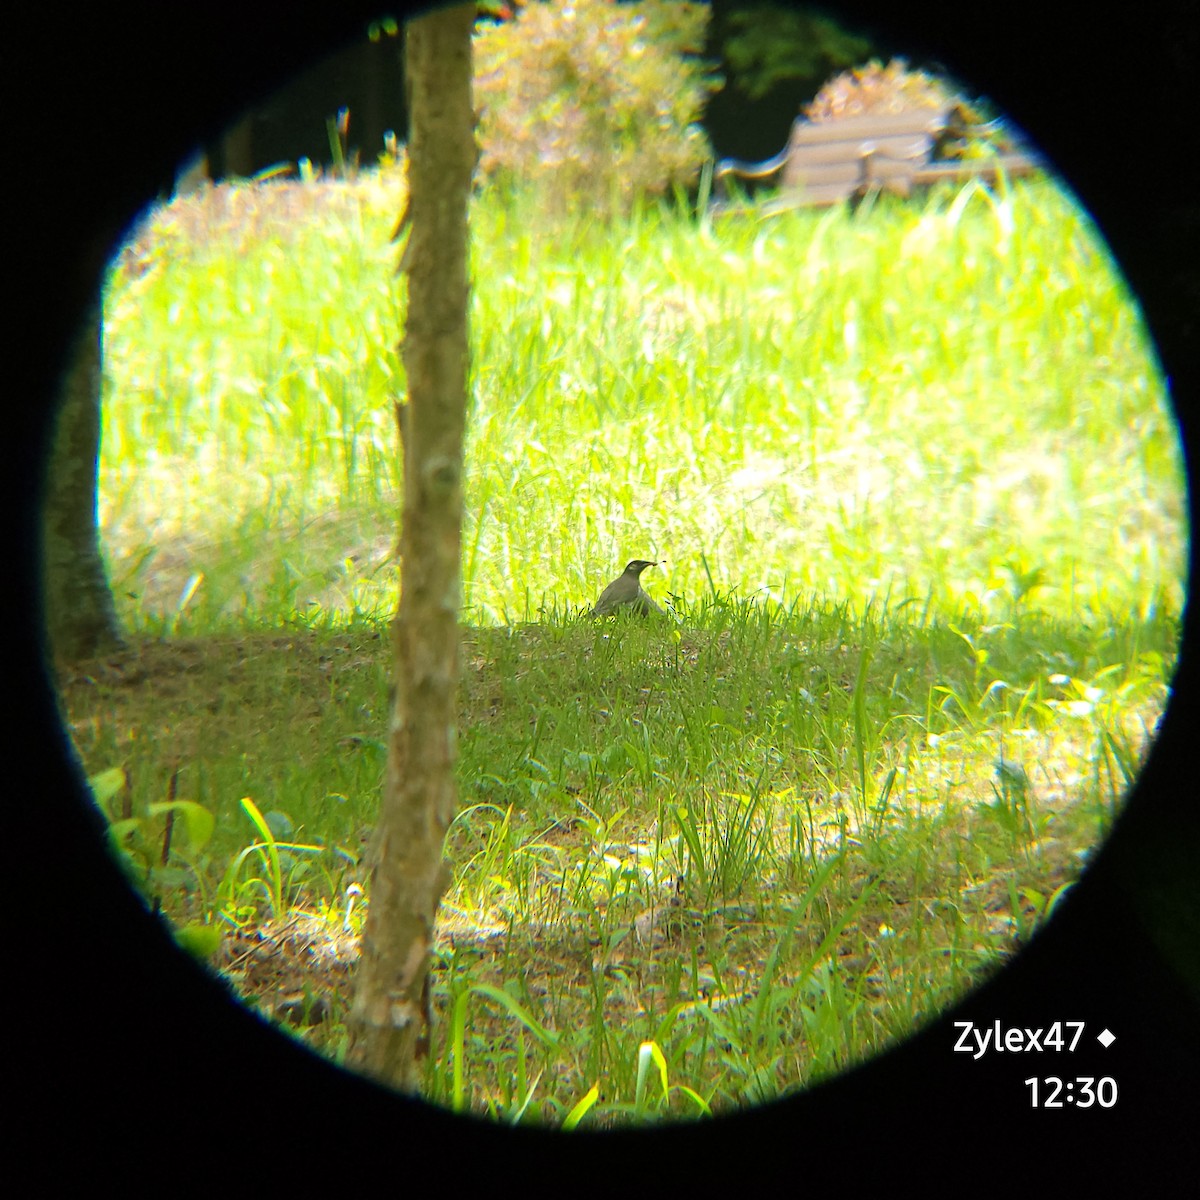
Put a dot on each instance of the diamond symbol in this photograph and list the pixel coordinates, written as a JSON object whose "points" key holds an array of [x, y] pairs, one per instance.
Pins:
{"points": [[1106, 1039]]}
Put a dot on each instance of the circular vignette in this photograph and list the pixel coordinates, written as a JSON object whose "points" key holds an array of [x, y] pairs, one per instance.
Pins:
{"points": [[135, 1043]]}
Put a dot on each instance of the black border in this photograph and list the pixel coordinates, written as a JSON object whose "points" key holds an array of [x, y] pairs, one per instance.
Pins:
{"points": [[127, 1056]]}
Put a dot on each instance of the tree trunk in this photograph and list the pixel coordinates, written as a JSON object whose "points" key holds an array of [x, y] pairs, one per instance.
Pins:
{"points": [[80, 618], [389, 1019]]}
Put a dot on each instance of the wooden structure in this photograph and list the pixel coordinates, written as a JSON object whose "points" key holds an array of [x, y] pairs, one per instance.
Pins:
{"points": [[826, 162]]}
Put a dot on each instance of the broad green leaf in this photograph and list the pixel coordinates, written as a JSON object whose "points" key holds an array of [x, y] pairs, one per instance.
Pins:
{"points": [[107, 784], [201, 940], [198, 822]]}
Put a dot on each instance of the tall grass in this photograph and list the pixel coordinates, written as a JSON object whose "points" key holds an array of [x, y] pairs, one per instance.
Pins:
{"points": [[951, 403]]}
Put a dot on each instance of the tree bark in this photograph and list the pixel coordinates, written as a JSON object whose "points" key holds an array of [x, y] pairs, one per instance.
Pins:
{"points": [[389, 1021], [80, 618]]}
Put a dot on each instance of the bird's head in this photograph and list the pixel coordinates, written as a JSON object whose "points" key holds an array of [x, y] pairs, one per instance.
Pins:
{"points": [[638, 565]]}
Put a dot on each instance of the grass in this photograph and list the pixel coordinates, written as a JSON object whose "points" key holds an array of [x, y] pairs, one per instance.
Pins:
{"points": [[921, 500], [766, 848], [912, 404]]}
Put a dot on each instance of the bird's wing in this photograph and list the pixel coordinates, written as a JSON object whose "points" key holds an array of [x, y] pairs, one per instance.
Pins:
{"points": [[646, 604], [605, 603]]}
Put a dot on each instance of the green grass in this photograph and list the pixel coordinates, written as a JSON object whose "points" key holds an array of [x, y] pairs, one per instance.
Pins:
{"points": [[921, 500], [903, 403], [769, 842]]}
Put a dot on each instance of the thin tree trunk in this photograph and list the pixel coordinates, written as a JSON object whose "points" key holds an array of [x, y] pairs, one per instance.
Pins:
{"points": [[80, 618], [390, 1017]]}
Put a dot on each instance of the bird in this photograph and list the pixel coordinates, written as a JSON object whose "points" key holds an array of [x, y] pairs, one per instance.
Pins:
{"points": [[626, 591]]}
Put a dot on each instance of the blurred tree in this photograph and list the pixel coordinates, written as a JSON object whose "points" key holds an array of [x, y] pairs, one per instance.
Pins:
{"points": [[80, 618], [766, 46]]}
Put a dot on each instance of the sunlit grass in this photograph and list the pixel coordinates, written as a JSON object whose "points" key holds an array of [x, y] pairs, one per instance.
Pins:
{"points": [[919, 403]]}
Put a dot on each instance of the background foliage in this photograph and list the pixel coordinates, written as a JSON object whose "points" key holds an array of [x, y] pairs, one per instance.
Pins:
{"points": [[876, 88], [593, 102], [767, 46]]}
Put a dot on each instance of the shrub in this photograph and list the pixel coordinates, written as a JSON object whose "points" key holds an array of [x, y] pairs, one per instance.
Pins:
{"points": [[878, 89], [592, 101]]}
